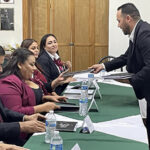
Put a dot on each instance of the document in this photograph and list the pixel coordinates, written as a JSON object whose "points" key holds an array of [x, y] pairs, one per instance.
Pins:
{"points": [[66, 126], [76, 96], [68, 74], [67, 107], [123, 75], [76, 91]]}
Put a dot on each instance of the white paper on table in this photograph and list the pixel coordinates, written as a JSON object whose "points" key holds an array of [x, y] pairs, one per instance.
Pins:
{"points": [[75, 96], [76, 91]]}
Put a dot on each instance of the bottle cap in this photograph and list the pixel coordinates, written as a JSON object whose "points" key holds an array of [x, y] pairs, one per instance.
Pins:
{"points": [[51, 111], [56, 132]]}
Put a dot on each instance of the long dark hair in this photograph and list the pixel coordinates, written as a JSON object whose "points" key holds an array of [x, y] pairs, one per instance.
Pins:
{"points": [[20, 55], [2, 51], [43, 42]]}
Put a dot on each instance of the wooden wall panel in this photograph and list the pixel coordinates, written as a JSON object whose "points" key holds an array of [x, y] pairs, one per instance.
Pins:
{"points": [[81, 34], [101, 22], [60, 26], [40, 18], [81, 58], [61, 20], [26, 18], [100, 52], [101, 29], [81, 27], [82, 19]]}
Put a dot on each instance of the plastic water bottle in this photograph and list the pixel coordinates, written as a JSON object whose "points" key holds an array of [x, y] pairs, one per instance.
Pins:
{"points": [[90, 80], [50, 126], [56, 142], [84, 89], [102, 73], [83, 102]]}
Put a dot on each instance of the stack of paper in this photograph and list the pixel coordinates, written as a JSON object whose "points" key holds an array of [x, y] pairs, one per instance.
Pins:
{"points": [[124, 75], [77, 91], [68, 74], [69, 126]]}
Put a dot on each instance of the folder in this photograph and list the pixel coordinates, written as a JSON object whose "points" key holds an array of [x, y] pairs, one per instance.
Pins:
{"points": [[66, 126], [68, 74]]}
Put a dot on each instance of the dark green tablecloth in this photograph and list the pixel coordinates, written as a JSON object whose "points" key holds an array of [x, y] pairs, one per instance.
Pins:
{"points": [[117, 102]]}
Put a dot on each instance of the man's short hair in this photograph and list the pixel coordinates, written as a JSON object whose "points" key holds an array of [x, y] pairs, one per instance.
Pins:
{"points": [[2, 51], [130, 9]]}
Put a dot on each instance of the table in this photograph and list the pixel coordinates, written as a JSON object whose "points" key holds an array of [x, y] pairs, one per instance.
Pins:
{"points": [[117, 102]]}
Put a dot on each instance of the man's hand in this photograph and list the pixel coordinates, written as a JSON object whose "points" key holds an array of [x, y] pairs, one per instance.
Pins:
{"points": [[32, 126], [10, 147], [97, 68], [33, 117]]}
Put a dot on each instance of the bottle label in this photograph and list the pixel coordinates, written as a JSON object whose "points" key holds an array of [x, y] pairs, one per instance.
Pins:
{"points": [[52, 125], [47, 123], [56, 147], [84, 100], [84, 87], [90, 75]]}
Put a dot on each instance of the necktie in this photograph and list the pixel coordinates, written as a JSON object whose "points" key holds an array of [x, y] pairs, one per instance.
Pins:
{"points": [[59, 64], [131, 46]]}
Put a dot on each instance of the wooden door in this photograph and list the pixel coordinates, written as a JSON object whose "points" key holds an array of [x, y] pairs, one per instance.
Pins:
{"points": [[81, 28], [83, 33], [60, 26]]}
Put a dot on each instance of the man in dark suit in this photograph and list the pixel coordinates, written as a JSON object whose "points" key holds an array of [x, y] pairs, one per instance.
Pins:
{"points": [[13, 123], [137, 56]]}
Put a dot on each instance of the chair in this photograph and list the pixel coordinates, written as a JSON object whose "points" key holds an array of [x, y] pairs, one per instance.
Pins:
{"points": [[108, 58]]}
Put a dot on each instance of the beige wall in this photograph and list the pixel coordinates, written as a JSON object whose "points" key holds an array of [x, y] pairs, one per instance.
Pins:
{"points": [[118, 42], [13, 37]]}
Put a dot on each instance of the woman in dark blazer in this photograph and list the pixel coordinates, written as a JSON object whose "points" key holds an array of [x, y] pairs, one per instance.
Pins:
{"points": [[38, 75], [50, 61]]}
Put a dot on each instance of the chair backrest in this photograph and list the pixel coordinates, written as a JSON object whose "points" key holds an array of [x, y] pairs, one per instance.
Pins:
{"points": [[108, 58]]}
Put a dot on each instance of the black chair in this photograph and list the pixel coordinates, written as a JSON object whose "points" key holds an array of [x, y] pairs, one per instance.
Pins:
{"points": [[108, 58]]}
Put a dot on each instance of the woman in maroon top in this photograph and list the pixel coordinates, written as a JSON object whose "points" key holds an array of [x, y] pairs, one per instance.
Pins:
{"points": [[14, 92], [38, 76]]}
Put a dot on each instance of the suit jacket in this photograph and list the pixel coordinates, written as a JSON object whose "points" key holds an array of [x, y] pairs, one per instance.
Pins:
{"points": [[17, 95], [137, 60], [9, 132], [50, 70]]}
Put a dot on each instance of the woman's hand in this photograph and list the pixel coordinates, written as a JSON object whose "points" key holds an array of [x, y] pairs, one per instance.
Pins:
{"points": [[67, 80], [60, 80], [50, 106], [46, 107], [68, 64], [4, 146], [55, 98]]}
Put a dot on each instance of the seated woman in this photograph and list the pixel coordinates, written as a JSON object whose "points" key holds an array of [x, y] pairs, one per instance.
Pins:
{"points": [[51, 62], [14, 92], [38, 76]]}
